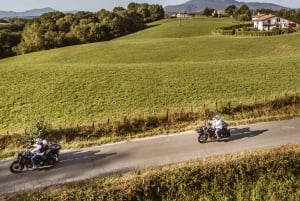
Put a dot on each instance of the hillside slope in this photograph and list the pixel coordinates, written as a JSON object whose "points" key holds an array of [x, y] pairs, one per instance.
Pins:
{"points": [[168, 66]]}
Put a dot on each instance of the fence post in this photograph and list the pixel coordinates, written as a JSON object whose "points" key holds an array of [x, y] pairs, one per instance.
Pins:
{"points": [[242, 108], [167, 115]]}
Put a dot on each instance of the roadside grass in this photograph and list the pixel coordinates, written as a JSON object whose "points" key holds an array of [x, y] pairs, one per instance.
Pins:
{"points": [[285, 107], [265, 174]]}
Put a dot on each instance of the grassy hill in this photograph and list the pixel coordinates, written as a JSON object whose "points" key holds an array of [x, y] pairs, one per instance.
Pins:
{"points": [[171, 65]]}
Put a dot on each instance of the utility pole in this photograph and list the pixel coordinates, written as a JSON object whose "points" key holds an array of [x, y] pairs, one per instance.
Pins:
{"points": [[180, 18]]}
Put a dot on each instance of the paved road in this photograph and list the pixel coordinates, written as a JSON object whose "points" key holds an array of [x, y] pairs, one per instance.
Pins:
{"points": [[148, 152]]}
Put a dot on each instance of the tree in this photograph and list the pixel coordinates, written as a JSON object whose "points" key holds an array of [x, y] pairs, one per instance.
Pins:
{"points": [[49, 20], [82, 31], [144, 12], [32, 38], [230, 10], [8, 40], [244, 13], [133, 6], [18, 21], [118, 9], [63, 25], [88, 16], [207, 12], [3, 21], [102, 14], [57, 29], [156, 12]]}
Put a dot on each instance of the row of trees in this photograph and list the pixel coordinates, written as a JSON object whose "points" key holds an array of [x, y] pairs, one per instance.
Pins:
{"points": [[57, 29], [244, 13]]}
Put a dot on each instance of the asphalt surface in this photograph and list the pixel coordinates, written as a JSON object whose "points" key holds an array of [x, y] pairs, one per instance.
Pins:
{"points": [[147, 152]]}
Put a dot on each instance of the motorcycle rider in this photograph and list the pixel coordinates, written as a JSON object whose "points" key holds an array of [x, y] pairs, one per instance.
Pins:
{"points": [[45, 145], [39, 150], [218, 125]]}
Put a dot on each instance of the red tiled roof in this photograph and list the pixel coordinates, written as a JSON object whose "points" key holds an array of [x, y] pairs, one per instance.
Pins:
{"points": [[264, 17]]}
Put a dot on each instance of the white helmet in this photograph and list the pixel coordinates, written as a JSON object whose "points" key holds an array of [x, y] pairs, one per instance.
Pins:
{"points": [[44, 142]]}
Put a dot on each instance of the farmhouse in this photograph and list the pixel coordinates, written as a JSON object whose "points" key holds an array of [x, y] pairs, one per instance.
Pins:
{"points": [[182, 15], [219, 13], [265, 22]]}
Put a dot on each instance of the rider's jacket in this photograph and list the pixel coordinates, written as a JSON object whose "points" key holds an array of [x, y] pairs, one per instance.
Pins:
{"points": [[218, 123], [39, 149]]}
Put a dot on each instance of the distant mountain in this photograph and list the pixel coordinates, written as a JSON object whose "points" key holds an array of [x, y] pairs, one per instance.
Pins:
{"points": [[29, 13], [200, 5]]}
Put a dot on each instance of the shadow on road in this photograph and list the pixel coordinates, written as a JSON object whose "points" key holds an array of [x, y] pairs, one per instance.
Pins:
{"points": [[75, 157], [238, 133]]}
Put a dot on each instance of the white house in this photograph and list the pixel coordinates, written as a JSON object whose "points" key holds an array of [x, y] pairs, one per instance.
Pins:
{"points": [[219, 13], [183, 15], [264, 22]]}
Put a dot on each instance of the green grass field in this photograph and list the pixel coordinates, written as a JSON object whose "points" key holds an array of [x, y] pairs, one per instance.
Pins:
{"points": [[170, 65]]}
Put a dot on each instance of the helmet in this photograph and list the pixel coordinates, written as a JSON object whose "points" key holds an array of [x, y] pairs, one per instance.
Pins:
{"points": [[44, 142], [38, 140]]}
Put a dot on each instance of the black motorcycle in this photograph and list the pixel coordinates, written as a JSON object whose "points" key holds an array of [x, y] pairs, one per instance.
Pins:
{"points": [[49, 159], [206, 132]]}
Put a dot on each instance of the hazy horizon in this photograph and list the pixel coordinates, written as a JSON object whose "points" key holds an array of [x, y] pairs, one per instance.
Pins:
{"points": [[95, 5]]}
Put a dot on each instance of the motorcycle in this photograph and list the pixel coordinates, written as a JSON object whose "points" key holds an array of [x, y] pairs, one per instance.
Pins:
{"points": [[206, 132], [49, 159]]}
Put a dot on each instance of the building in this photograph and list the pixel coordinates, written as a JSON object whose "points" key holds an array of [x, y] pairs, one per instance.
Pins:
{"points": [[183, 15], [265, 22], [219, 13]]}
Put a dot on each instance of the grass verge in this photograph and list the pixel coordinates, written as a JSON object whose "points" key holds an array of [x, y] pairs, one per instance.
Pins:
{"points": [[284, 107]]}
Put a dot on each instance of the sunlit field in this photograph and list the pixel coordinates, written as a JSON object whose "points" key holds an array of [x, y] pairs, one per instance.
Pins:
{"points": [[171, 65]]}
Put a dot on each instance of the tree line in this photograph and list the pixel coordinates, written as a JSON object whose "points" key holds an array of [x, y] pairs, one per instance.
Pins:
{"points": [[245, 14], [242, 14], [58, 29]]}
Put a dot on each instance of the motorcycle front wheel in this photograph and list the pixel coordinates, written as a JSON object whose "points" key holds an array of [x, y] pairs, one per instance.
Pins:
{"points": [[52, 160], [202, 138], [16, 167]]}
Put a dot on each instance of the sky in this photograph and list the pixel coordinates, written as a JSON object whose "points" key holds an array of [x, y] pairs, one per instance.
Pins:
{"points": [[96, 5]]}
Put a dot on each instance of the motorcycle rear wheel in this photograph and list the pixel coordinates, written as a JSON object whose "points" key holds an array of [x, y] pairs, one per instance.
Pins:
{"points": [[16, 167], [51, 161], [202, 138]]}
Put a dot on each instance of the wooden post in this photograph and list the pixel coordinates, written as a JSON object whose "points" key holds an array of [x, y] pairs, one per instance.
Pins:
{"points": [[167, 115]]}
